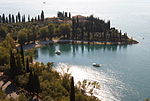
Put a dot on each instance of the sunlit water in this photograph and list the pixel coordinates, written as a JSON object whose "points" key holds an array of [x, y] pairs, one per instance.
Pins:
{"points": [[125, 71]]}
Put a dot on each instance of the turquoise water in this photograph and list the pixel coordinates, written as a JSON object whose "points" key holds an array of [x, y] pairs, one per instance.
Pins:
{"points": [[124, 75], [125, 71]]}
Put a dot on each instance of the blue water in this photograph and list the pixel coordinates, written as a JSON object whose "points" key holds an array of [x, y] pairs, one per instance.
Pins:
{"points": [[125, 71]]}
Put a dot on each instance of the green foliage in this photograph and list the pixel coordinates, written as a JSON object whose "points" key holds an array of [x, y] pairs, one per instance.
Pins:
{"points": [[51, 29], [44, 32], [65, 29], [3, 31], [2, 95], [22, 36], [22, 97], [4, 57]]}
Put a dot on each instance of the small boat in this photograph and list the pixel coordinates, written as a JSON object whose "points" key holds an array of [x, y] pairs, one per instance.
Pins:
{"points": [[96, 65], [58, 52]]}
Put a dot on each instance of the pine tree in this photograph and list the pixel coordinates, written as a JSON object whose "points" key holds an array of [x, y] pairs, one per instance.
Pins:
{"points": [[42, 15], [72, 90], [27, 66]]}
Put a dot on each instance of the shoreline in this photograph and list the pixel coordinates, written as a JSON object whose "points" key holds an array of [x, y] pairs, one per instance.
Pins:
{"points": [[49, 42]]}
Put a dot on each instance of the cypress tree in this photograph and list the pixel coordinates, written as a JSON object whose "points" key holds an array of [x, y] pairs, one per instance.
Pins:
{"points": [[36, 83], [66, 14], [42, 15], [19, 17], [19, 65], [32, 20], [0, 19], [10, 20], [28, 18], [31, 59], [23, 18], [13, 19], [72, 90], [6, 20], [16, 19], [22, 53], [3, 18], [27, 66], [12, 65], [38, 18], [30, 85], [69, 15], [35, 19]]}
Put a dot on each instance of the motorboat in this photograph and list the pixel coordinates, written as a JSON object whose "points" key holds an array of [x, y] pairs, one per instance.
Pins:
{"points": [[58, 52], [96, 65]]}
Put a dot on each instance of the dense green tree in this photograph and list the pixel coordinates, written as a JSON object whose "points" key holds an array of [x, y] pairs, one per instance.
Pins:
{"points": [[72, 90]]}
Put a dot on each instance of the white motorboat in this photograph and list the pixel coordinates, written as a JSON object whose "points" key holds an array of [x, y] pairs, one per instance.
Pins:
{"points": [[58, 52], [96, 65]]}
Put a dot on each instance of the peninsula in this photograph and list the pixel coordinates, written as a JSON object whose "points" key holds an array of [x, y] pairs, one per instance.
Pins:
{"points": [[63, 28]]}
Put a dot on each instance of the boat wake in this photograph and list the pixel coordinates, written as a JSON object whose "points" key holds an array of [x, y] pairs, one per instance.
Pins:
{"points": [[110, 88]]}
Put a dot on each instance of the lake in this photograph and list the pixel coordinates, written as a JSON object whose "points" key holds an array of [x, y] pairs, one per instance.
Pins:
{"points": [[125, 71]]}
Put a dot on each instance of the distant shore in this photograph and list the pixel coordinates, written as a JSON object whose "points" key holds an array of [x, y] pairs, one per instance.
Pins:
{"points": [[49, 42]]}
